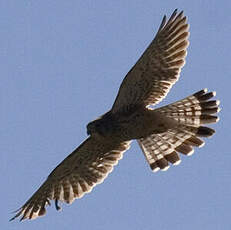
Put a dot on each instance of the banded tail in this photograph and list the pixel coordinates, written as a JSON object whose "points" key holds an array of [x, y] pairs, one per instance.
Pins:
{"points": [[191, 113]]}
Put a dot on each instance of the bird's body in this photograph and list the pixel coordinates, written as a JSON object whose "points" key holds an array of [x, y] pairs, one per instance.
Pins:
{"points": [[161, 133], [134, 124]]}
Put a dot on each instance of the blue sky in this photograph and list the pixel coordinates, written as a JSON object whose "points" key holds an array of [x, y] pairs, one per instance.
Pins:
{"points": [[61, 65]]}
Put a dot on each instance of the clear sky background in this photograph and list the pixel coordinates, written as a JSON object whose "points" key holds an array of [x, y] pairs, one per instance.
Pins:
{"points": [[61, 64]]}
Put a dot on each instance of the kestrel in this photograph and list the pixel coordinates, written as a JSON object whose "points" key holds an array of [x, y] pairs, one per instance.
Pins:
{"points": [[162, 133]]}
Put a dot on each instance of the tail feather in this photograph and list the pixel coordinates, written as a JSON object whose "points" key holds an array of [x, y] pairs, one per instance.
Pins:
{"points": [[193, 110], [194, 141], [190, 113]]}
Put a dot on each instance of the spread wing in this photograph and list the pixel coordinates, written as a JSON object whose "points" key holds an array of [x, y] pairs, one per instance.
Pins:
{"points": [[76, 175], [151, 78]]}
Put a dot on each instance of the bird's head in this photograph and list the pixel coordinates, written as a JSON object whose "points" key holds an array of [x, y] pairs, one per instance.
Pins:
{"points": [[93, 127], [102, 126]]}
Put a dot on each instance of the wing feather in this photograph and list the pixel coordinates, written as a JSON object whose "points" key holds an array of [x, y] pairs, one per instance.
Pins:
{"points": [[151, 78], [75, 176]]}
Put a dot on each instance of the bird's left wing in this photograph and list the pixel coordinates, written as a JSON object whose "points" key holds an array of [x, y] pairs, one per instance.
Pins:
{"points": [[151, 78], [76, 175]]}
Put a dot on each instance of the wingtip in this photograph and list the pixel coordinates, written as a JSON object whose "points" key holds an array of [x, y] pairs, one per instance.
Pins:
{"points": [[173, 15], [18, 212], [11, 219]]}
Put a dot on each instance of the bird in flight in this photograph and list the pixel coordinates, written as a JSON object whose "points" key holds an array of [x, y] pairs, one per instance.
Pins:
{"points": [[161, 133]]}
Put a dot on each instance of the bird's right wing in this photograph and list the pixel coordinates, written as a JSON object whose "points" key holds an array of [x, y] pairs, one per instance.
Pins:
{"points": [[76, 175], [151, 78]]}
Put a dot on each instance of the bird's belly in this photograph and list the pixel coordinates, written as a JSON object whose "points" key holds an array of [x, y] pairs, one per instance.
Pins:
{"points": [[143, 124]]}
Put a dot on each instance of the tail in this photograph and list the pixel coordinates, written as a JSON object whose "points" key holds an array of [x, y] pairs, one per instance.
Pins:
{"points": [[190, 113]]}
